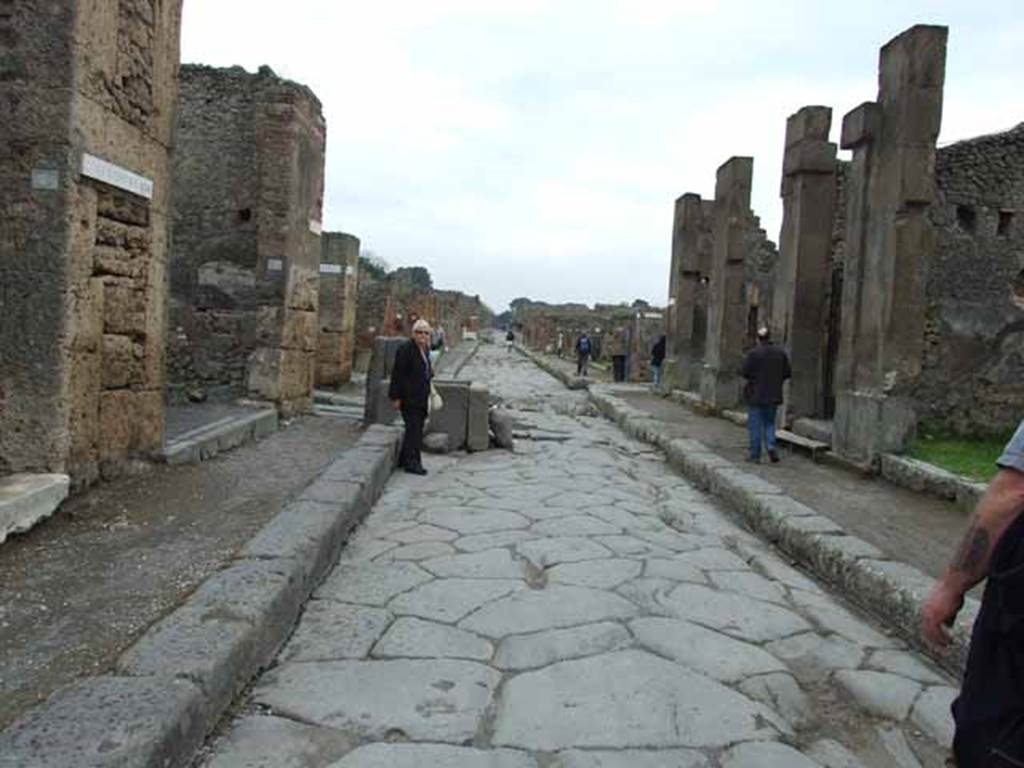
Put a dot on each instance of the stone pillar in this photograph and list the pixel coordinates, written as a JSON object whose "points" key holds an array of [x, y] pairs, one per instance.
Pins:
{"points": [[248, 180], [888, 245], [721, 384], [687, 310], [87, 96], [339, 275], [802, 275]]}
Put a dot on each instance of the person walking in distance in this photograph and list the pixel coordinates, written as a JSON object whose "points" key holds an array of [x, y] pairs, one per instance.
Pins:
{"points": [[583, 350], [989, 712], [410, 393], [657, 358], [765, 368], [510, 339]]}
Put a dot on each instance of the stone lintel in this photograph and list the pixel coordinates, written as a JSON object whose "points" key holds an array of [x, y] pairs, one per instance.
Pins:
{"points": [[861, 125], [809, 156]]}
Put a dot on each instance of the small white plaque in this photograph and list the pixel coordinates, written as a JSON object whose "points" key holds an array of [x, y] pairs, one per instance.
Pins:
{"points": [[350, 270], [116, 176], [330, 269], [45, 178], [315, 227], [275, 265], [671, 301]]}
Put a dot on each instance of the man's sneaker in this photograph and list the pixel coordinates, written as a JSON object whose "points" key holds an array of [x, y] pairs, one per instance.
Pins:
{"points": [[416, 470], [774, 456], [753, 459]]}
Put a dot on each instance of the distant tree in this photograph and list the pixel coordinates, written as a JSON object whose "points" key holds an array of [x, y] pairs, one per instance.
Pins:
{"points": [[373, 265], [640, 304], [414, 277]]}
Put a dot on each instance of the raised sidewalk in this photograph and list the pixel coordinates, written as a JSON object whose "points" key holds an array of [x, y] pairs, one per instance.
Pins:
{"points": [[879, 544]]}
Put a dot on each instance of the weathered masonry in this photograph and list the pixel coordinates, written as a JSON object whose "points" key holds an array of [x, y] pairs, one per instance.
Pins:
{"points": [[87, 94], [248, 187], [339, 276]]}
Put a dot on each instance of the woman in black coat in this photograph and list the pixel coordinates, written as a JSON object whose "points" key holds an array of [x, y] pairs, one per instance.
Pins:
{"points": [[410, 394]]}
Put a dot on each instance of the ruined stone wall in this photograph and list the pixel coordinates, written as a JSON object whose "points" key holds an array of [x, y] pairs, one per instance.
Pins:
{"points": [[248, 182], [87, 94], [339, 277], [972, 376]]}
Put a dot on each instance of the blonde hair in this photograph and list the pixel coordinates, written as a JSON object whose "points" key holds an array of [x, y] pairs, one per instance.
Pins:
{"points": [[421, 325]]}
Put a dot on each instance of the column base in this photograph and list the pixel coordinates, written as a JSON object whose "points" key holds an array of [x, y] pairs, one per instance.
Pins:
{"points": [[867, 424]]}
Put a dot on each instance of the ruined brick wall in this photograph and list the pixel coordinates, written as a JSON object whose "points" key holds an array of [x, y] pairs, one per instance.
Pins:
{"points": [[248, 180], [972, 378], [87, 91]]}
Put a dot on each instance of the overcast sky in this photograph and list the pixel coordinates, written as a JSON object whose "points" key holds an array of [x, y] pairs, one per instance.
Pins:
{"points": [[527, 148]]}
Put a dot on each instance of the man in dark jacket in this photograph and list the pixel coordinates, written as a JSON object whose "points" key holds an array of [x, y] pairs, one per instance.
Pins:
{"points": [[657, 358], [410, 393], [765, 368]]}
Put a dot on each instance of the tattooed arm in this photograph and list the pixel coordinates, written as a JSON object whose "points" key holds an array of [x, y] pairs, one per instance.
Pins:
{"points": [[1002, 502]]}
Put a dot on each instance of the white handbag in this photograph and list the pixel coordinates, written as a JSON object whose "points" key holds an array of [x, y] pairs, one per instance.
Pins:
{"points": [[435, 402]]}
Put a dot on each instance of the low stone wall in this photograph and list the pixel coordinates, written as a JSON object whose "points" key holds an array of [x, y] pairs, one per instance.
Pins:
{"points": [[927, 478], [169, 690]]}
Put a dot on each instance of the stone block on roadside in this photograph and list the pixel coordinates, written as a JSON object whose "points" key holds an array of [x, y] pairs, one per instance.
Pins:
{"points": [[437, 442], [502, 424], [26, 499], [477, 420], [453, 417]]}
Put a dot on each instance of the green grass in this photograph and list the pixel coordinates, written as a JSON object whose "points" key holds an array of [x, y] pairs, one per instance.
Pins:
{"points": [[973, 458]]}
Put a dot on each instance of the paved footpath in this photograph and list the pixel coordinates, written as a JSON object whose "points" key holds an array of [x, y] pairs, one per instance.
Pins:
{"points": [[577, 604]]}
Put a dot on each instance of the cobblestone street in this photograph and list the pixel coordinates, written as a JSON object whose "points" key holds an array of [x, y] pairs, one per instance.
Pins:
{"points": [[577, 604]]}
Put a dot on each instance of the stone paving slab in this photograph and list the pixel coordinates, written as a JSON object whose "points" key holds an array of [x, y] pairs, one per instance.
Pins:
{"points": [[437, 700]]}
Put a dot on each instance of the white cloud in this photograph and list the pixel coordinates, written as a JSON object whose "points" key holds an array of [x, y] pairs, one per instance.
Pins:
{"points": [[532, 147]]}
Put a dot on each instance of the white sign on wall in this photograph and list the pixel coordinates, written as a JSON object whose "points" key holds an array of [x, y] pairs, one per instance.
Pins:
{"points": [[275, 265], [330, 269], [315, 227], [116, 176], [350, 270]]}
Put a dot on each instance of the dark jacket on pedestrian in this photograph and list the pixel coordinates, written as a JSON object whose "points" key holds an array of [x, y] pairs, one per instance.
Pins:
{"points": [[765, 368], [658, 352], [410, 378], [583, 346]]}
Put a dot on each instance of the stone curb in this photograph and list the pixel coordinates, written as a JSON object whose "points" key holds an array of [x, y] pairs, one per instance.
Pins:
{"points": [[927, 478], [891, 591], [170, 688], [207, 441], [570, 381]]}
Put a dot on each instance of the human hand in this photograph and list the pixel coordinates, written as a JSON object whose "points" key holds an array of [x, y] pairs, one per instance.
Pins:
{"points": [[938, 613], [396, 404]]}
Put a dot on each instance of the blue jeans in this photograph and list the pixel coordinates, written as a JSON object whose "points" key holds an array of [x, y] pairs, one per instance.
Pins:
{"points": [[656, 375], [761, 426]]}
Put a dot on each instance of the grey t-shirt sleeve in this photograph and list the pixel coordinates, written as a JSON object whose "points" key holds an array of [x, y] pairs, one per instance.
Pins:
{"points": [[1013, 453]]}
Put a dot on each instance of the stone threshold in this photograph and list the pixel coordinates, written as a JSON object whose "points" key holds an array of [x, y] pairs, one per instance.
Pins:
{"points": [[26, 499], [169, 690], [890, 590], [207, 441]]}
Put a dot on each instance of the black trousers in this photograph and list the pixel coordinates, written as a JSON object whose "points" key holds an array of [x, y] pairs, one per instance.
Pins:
{"points": [[412, 445]]}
